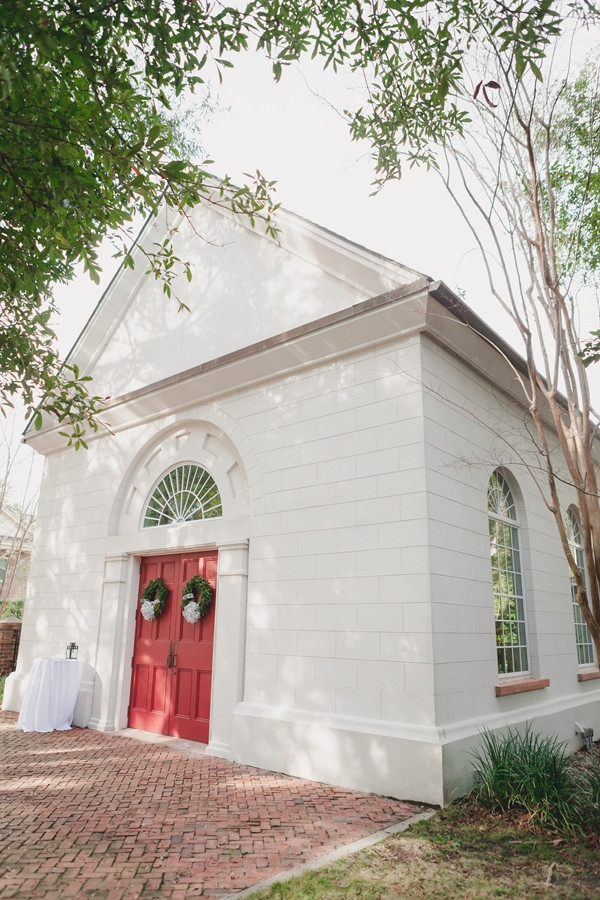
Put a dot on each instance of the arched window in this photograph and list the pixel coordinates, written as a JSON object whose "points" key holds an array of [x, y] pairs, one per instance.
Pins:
{"points": [[583, 637], [185, 494], [507, 579]]}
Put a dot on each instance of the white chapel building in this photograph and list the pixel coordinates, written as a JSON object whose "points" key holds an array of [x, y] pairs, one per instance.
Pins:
{"points": [[335, 443]]}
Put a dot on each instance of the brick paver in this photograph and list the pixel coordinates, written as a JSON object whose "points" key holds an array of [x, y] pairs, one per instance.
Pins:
{"points": [[84, 814]]}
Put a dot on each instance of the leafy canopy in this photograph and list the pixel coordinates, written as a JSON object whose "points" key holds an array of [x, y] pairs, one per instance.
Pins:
{"points": [[86, 144], [575, 179], [575, 173]]}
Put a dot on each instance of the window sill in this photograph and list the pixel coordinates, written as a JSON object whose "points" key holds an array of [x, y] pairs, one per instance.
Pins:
{"points": [[521, 685], [588, 675]]}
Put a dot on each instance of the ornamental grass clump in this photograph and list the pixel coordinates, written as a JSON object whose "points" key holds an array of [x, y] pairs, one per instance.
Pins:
{"points": [[588, 784], [528, 771]]}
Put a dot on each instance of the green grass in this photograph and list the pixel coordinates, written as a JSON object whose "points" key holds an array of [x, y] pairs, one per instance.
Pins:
{"points": [[463, 852], [2, 680]]}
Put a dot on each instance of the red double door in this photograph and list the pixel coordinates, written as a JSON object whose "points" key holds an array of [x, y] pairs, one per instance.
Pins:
{"points": [[172, 660]]}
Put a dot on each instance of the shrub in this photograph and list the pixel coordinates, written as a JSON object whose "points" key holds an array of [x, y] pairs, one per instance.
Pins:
{"points": [[528, 771], [12, 609], [588, 784]]}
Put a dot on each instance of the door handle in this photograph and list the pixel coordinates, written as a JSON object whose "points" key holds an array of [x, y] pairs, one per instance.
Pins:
{"points": [[170, 656], [174, 654]]}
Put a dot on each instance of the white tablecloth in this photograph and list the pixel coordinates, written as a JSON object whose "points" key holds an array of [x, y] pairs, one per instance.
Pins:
{"points": [[51, 695]]}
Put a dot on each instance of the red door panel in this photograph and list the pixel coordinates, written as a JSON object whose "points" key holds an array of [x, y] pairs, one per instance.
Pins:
{"points": [[203, 695], [183, 694], [139, 689], [160, 700], [149, 705], [191, 710], [174, 699]]}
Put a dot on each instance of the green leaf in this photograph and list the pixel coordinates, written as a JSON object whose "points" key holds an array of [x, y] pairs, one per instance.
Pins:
{"points": [[536, 70]]}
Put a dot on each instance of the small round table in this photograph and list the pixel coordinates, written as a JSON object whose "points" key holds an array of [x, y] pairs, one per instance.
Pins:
{"points": [[51, 695]]}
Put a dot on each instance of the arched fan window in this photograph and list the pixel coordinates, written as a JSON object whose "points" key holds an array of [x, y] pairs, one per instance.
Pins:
{"points": [[186, 494], [509, 600]]}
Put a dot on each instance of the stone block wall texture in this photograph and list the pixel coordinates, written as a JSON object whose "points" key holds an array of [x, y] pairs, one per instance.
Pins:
{"points": [[10, 633]]}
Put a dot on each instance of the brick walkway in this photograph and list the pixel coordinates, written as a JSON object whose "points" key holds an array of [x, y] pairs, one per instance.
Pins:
{"points": [[91, 815]]}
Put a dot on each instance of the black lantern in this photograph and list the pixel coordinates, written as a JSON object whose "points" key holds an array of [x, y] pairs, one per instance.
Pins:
{"points": [[72, 649]]}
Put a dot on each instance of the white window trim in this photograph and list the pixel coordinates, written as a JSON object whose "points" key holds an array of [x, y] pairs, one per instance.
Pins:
{"points": [[578, 549], [516, 524]]}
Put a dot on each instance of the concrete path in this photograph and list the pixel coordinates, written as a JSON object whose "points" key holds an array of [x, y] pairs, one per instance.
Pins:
{"points": [[120, 816]]}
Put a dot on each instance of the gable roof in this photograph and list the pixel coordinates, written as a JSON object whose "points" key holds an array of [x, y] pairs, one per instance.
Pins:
{"points": [[319, 295], [246, 287]]}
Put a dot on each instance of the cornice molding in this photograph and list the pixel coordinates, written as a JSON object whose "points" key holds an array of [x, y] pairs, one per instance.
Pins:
{"points": [[421, 307]]}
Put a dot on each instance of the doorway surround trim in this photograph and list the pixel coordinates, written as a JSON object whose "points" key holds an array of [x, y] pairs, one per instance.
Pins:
{"points": [[117, 631]]}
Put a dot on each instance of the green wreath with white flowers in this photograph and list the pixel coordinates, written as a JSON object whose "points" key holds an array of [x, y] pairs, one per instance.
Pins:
{"points": [[153, 599], [196, 599]]}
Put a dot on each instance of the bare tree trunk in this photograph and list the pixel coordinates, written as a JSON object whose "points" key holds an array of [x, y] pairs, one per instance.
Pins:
{"points": [[508, 179]]}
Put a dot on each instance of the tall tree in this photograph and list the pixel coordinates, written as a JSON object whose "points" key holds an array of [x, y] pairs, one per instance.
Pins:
{"points": [[85, 145], [527, 181]]}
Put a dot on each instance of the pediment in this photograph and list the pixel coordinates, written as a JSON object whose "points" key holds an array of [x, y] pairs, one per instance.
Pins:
{"points": [[246, 288]]}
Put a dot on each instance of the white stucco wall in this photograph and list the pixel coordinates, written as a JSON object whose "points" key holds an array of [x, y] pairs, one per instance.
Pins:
{"points": [[339, 632], [338, 566], [68, 556], [471, 429]]}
